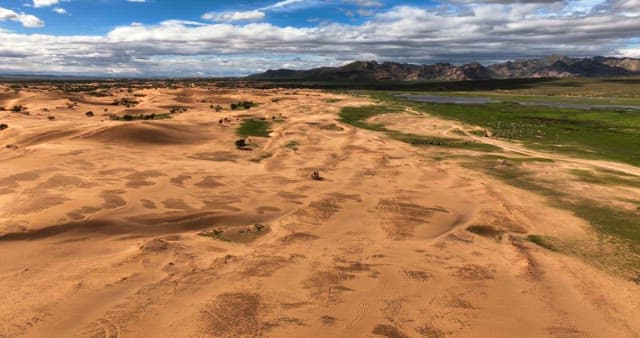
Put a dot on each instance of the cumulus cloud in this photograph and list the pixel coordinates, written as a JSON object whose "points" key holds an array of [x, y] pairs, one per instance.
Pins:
{"points": [[481, 32], [44, 3], [626, 7], [60, 10], [290, 5], [26, 20], [253, 15], [630, 52], [366, 3]]}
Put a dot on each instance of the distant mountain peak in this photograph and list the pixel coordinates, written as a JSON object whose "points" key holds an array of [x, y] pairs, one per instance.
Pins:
{"points": [[549, 66]]}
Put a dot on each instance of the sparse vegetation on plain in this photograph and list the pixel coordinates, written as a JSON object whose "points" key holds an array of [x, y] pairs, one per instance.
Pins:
{"points": [[607, 220], [127, 102], [129, 117], [243, 105]]}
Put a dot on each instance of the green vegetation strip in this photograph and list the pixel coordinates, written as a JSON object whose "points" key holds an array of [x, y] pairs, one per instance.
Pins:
{"points": [[128, 117], [543, 241], [357, 116]]}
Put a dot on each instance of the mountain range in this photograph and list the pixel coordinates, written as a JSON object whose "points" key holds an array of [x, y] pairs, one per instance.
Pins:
{"points": [[551, 66]]}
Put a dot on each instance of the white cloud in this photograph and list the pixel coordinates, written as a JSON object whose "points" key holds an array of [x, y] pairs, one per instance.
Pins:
{"points": [[44, 3], [287, 5], [26, 20], [366, 3], [254, 15], [365, 12], [479, 32], [140, 1], [60, 10], [284, 3], [630, 52]]}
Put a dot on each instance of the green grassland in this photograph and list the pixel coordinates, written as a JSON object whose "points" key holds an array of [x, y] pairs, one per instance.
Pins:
{"points": [[590, 133], [357, 117]]}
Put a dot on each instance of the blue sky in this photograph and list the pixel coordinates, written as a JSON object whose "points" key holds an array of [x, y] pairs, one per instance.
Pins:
{"points": [[100, 16], [217, 37]]}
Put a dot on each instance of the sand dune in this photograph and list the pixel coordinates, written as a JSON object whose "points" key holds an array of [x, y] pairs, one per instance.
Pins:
{"points": [[165, 229], [149, 133]]}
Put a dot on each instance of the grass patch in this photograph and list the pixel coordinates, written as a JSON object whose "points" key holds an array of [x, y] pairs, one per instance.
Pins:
{"points": [[517, 160], [332, 100], [357, 116], [254, 127], [419, 140], [606, 177], [326, 126], [619, 223], [485, 231], [546, 242]]}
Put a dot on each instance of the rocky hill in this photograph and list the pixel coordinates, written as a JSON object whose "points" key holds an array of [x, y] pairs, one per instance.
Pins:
{"points": [[552, 66]]}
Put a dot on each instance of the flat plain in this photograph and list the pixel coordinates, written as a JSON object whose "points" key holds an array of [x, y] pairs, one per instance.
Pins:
{"points": [[153, 209]]}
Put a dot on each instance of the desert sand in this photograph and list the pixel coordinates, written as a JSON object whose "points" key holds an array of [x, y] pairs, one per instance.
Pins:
{"points": [[163, 228]]}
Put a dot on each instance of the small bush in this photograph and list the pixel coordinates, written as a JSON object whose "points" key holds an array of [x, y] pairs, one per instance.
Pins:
{"points": [[127, 102], [292, 145], [316, 176], [4, 126], [242, 105], [89, 114], [176, 110]]}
